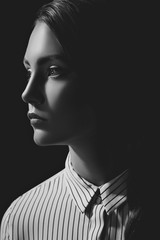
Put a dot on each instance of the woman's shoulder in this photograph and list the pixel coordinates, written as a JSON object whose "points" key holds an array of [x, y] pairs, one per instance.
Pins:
{"points": [[43, 186], [46, 184], [34, 197]]}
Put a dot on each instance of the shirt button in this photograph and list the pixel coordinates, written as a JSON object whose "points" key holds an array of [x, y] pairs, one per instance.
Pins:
{"points": [[98, 200]]}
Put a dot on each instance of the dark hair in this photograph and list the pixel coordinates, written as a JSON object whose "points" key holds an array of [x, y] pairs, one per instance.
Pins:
{"points": [[78, 25], [98, 36]]}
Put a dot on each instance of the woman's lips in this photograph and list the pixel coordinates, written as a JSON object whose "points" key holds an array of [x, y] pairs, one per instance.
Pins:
{"points": [[35, 116], [36, 120]]}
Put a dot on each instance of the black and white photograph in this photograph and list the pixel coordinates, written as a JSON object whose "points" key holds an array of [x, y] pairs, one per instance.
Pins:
{"points": [[79, 120]]}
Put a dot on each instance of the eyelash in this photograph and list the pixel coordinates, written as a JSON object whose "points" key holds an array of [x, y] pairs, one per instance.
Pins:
{"points": [[58, 71], [53, 72]]}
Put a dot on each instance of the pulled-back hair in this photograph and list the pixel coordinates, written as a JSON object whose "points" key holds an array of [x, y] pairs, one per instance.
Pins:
{"points": [[80, 27], [98, 37]]}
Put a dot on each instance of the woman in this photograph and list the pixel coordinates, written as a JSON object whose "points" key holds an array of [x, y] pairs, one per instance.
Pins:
{"points": [[81, 93]]}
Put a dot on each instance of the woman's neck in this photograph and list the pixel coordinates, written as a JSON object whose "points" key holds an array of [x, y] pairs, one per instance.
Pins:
{"points": [[97, 163]]}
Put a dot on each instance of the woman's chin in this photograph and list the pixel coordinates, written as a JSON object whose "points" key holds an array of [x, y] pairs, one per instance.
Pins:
{"points": [[46, 138], [41, 138]]}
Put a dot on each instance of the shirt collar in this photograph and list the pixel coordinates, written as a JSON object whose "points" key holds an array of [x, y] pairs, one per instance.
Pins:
{"points": [[112, 193]]}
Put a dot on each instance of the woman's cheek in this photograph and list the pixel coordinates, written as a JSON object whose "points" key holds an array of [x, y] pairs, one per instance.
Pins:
{"points": [[54, 91]]}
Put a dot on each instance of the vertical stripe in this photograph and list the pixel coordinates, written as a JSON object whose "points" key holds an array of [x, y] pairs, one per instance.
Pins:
{"points": [[65, 207], [26, 218], [71, 222], [74, 225], [113, 224], [44, 208], [41, 212], [77, 193], [86, 228], [53, 223], [35, 215], [64, 232], [78, 224], [60, 217], [68, 223], [17, 231], [56, 188], [110, 225]]}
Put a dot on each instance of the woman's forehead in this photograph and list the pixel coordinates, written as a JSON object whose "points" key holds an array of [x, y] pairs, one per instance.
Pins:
{"points": [[42, 43]]}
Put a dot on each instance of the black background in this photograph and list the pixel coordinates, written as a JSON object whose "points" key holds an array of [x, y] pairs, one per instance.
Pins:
{"points": [[23, 163]]}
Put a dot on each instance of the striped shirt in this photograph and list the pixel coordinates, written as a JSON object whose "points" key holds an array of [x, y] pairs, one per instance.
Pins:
{"points": [[67, 207]]}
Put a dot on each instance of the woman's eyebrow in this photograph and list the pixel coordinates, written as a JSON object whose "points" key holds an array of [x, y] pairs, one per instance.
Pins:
{"points": [[55, 57], [44, 59]]}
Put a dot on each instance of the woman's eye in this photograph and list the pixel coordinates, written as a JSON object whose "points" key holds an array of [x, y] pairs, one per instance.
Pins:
{"points": [[55, 71]]}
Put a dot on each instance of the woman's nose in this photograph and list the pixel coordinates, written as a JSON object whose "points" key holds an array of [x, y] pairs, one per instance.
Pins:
{"points": [[33, 93]]}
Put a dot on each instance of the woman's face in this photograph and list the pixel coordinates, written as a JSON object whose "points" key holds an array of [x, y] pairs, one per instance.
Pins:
{"points": [[57, 111]]}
